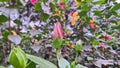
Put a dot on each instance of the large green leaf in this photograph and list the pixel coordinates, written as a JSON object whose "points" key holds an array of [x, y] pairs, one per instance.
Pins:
{"points": [[63, 63], [41, 62]]}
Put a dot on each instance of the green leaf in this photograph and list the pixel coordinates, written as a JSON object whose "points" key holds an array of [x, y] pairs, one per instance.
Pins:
{"points": [[94, 43], [63, 63], [52, 6], [44, 17], [78, 47], [10, 66], [78, 0], [116, 7], [57, 42], [44, 1], [17, 58], [73, 65], [31, 64], [98, 13], [38, 7], [80, 66], [3, 19], [5, 35], [116, 27], [2, 67], [18, 22], [41, 62], [55, 0], [100, 2], [3, 0]]}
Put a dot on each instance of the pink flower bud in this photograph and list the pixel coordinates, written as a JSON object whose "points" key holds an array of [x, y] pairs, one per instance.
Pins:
{"points": [[100, 45], [58, 31], [107, 37], [71, 13], [91, 25], [61, 6], [33, 2]]}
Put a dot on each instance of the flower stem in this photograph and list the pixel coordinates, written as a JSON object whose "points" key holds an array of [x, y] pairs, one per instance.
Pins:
{"points": [[57, 55], [76, 57]]}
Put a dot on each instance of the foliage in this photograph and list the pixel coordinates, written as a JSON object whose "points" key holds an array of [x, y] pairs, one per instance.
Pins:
{"points": [[68, 33]]}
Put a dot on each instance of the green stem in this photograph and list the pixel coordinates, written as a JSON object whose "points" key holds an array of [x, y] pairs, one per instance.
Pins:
{"points": [[57, 54], [76, 57]]}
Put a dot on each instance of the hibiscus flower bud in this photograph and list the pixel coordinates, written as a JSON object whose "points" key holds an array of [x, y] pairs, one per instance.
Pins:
{"points": [[91, 25], [107, 37], [71, 13], [33, 2], [58, 31], [100, 45], [61, 6]]}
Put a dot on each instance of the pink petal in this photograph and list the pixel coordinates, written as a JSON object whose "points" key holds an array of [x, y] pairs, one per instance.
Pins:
{"points": [[60, 30], [55, 32], [61, 6], [33, 2], [100, 45]]}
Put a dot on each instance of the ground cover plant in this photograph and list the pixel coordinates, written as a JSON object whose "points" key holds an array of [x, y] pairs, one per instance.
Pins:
{"points": [[59, 34]]}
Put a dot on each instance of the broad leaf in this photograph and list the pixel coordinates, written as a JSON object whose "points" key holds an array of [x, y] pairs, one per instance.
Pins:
{"points": [[41, 62], [63, 63]]}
